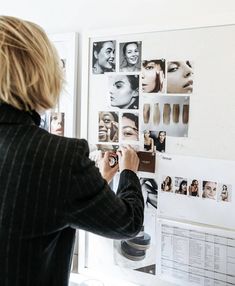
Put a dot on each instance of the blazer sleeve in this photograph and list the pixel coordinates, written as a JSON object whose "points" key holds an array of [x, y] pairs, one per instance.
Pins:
{"points": [[93, 206]]}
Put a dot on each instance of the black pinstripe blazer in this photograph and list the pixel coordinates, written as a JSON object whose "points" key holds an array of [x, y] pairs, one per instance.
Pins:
{"points": [[49, 187]]}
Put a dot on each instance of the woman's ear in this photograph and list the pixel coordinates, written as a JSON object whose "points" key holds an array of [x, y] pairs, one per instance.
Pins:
{"points": [[96, 54], [135, 92]]}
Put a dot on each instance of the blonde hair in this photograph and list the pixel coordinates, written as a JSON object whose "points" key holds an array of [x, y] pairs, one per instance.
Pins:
{"points": [[30, 74]]}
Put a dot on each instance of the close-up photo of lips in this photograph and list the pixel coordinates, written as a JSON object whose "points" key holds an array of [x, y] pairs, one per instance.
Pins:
{"points": [[189, 86], [180, 77]]}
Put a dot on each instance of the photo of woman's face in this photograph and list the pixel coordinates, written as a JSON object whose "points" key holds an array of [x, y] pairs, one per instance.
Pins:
{"points": [[105, 57], [162, 136], [152, 75], [57, 123], [108, 127], [132, 54], [121, 93], [149, 76], [179, 77], [209, 190], [129, 129]]}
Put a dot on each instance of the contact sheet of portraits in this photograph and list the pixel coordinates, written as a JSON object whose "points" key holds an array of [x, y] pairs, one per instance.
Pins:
{"points": [[152, 90], [61, 120]]}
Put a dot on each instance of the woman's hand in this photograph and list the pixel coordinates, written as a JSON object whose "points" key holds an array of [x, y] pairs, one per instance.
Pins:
{"points": [[106, 170], [128, 159], [113, 132]]}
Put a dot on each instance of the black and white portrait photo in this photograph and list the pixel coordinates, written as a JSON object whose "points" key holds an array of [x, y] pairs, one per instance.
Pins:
{"points": [[124, 91], [103, 57], [130, 56]]}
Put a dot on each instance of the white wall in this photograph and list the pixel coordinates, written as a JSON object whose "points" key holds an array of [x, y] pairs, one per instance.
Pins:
{"points": [[77, 15], [58, 16]]}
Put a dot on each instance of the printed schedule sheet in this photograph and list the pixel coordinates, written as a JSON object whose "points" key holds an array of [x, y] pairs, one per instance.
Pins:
{"points": [[196, 255]]}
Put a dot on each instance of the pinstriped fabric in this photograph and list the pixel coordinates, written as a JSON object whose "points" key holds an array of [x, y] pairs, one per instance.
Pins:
{"points": [[14, 196], [24, 213], [49, 187]]}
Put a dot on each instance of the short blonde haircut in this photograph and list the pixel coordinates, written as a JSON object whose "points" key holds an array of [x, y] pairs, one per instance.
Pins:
{"points": [[30, 74]]}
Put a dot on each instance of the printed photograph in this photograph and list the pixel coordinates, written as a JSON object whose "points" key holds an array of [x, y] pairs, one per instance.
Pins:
{"points": [[123, 91], [159, 140], [130, 126], [209, 190], [130, 56], [179, 77], [224, 192], [139, 253], [167, 184], [153, 76], [194, 187], [148, 141], [57, 123], [181, 186], [103, 57], [150, 191], [44, 123], [166, 113], [108, 126], [147, 161]]}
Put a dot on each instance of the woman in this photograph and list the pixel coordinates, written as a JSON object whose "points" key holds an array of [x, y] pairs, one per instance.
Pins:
{"points": [[209, 190], [224, 194], [153, 76], [160, 142], [49, 187], [193, 189], [108, 127], [124, 91], [103, 57], [167, 184], [130, 58], [179, 77], [57, 123], [182, 188], [130, 127], [148, 142]]}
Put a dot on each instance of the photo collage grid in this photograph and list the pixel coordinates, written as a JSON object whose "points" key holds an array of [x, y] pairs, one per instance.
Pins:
{"points": [[146, 99]]}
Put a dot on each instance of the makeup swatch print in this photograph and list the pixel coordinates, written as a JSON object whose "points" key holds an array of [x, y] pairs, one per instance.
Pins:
{"points": [[176, 113], [166, 113], [156, 114], [146, 112], [185, 113]]}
